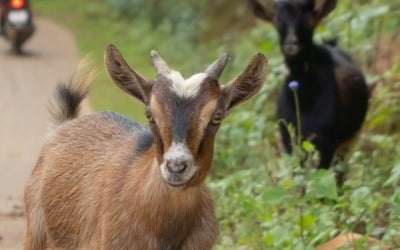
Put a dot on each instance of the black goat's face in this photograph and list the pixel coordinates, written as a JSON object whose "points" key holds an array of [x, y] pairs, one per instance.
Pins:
{"points": [[294, 20], [184, 113], [295, 24]]}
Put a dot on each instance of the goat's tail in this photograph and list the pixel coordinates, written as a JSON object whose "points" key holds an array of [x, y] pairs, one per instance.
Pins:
{"points": [[66, 100]]}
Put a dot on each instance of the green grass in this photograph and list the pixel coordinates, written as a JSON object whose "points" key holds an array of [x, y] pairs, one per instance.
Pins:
{"points": [[95, 26], [94, 33]]}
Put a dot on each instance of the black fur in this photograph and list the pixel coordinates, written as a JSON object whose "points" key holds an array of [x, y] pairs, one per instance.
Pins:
{"points": [[69, 100], [333, 94], [145, 140], [143, 134]]}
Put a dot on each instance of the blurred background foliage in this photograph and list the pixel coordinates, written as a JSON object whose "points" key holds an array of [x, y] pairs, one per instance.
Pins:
{"points": [[263, 199]]}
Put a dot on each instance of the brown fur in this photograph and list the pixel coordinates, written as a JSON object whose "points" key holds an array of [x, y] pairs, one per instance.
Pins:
{"points": [[100, 202], [97, 183]]}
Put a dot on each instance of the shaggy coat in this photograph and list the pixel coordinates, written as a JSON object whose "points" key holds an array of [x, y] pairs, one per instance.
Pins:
{"points": [[103, 181]]}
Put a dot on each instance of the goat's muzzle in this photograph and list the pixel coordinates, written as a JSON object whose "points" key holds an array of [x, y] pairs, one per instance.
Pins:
{"points": [[178, 168], [291, 49], [291, 46]]}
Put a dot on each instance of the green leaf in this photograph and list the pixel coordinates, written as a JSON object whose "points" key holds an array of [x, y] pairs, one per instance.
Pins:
{"points": [[394, 176], [275, 196], [381, 117], [322, 184], [308, 221], [361, 193], [396, 201], [307, 146], [268, 239]]}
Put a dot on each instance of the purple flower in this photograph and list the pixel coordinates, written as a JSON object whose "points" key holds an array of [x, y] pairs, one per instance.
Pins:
{"points": [[293, 85]]}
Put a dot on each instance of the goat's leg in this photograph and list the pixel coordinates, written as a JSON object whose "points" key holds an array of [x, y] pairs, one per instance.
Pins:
{"points": [[326, 152], [285, 138], [326, 156]]}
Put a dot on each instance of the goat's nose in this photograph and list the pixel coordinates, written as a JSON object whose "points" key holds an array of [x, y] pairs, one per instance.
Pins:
{"points": [[177, 166], [292, 39]]}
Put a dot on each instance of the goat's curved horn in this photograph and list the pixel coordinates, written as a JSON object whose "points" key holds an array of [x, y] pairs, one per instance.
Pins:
{"points": [[215, 70], [318, 6], [324, 7], [159, 64]]}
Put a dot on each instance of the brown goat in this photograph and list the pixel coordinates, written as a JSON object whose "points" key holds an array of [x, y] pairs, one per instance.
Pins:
{"points": [[103, 181]]}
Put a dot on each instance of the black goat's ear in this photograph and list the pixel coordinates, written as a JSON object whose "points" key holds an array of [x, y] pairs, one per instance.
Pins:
{"points": [[323, 7], [126, 78], [246, 84], [260, 11]]}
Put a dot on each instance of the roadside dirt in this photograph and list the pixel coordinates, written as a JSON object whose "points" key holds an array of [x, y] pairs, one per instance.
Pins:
{"points": [[25, 85]]}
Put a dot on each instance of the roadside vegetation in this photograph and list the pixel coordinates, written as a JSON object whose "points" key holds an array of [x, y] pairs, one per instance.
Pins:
{"points": [[263, 198]]}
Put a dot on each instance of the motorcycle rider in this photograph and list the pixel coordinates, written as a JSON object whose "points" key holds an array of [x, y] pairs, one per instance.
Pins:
{"points": [[3, 12]]}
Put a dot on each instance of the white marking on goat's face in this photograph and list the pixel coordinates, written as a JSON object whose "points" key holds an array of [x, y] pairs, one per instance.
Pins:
{"points": [[178, 167], [186, 87], [183, 126]]}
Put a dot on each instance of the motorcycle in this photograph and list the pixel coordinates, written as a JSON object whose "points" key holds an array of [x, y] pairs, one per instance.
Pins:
{"points": [[17, 24]]}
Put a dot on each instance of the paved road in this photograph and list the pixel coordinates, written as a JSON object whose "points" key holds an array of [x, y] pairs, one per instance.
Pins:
{"points": [[25, 85]]}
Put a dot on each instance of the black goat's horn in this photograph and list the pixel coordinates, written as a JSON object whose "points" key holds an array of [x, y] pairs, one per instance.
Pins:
{"points": [[319, 5]]}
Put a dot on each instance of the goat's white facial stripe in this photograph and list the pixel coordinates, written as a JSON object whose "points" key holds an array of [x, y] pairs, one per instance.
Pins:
{"points": [[178, 151], [186, 87], [178, 167]]}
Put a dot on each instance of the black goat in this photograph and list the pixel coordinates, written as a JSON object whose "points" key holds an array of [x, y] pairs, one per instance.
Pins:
{"points": [[332, 92]]}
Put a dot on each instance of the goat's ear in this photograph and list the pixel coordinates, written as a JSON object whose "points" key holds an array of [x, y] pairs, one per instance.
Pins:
{"points": [[323, 7], [261, 12], [126, 78], [246, 84]]}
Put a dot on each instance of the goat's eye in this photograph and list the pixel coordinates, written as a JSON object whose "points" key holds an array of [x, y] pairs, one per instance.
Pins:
{"points": [[149, 116], [217, 118], [310, 21]]}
